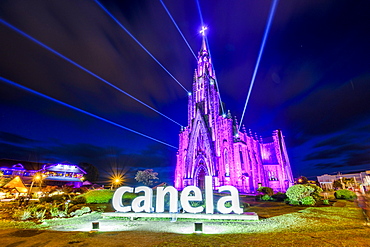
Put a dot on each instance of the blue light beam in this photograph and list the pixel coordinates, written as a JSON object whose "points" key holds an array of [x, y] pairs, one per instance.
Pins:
{"points": [[84, 69], [83, 111], [267, 29], [106, 11], [169, 14], [200, 14]]}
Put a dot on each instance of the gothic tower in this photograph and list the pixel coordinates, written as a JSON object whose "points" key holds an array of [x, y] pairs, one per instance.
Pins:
{"points": [[212, 145]]}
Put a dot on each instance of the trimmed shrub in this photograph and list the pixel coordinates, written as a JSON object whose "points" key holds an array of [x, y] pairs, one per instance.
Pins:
{"points": [[308, 200], [266, 190], [316, 192], [345, 194], [325, 202], [306, 194], [298, 192], [98, 196]]}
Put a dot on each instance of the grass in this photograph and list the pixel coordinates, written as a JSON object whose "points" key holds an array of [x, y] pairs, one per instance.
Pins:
{"points": [[342, 224], [303, 219]]}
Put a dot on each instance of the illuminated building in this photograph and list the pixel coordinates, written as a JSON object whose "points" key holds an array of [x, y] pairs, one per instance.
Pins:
{"points": [[53, 174], [360, 179], [212, 145]]}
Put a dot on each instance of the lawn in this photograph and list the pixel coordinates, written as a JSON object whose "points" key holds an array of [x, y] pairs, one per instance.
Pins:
{"points": [[341, 224]]}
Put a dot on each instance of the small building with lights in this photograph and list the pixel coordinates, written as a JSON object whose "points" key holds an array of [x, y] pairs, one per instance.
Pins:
{"points": [[214, 145], [361, 178], [58, 174]]}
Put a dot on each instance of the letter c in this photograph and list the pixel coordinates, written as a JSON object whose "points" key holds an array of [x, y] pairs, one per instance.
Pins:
{"points": [[117, 199]]}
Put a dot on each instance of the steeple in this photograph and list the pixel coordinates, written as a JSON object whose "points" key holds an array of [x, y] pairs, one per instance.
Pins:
{"points": [[204, 45], [204, 95], [204, 60]]}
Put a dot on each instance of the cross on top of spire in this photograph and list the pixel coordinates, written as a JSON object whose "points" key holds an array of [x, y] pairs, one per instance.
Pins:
{"points": [[203, 31]]}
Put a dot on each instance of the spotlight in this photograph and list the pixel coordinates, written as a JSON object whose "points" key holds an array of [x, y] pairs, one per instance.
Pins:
{"points": [[95, 225], [198, 227]]}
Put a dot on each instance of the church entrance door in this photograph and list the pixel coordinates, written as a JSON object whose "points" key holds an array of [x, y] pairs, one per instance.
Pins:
{"points": [[201, 179]]}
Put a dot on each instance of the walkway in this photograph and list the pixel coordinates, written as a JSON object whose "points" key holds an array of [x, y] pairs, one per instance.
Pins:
{"points": [[363, 201]]}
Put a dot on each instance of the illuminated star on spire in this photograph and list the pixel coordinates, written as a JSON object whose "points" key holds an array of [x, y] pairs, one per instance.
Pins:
{"points": [[203, 31]]}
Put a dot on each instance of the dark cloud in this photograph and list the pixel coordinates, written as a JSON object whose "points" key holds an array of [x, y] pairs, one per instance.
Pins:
{"points": [[329, 165], [359, 159], [6, 137], [338, 151], [338, 140]]}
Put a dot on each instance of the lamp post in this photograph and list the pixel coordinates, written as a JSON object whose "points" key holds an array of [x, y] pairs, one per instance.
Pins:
{"points": [[116, 181], [37, 177]]}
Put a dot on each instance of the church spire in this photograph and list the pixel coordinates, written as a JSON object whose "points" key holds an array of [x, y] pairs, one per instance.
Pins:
{"points": [[204, 48], [204, 59]]}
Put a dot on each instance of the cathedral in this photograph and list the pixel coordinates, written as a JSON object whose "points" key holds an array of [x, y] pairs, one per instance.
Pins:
{"points": [[212, 145]]}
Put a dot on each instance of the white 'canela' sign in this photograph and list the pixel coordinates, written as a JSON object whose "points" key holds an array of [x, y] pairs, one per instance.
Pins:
{"points": [[144, 203]]}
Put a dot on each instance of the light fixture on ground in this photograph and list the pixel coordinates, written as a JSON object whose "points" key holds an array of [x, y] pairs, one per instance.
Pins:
{"points": [[95, 225], [198, 227]]}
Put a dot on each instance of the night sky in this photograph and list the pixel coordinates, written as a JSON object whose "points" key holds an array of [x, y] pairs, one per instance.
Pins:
{"points": [[313, 82]]}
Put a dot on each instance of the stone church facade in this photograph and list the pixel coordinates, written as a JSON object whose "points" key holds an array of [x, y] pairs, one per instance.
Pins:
{"points": [[212, 145]]}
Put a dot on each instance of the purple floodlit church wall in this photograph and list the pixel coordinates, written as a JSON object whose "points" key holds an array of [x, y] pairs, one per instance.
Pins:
{"points": [[212, 145]]}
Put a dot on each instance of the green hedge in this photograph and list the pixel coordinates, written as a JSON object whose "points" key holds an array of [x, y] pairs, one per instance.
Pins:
{"points": [[345, 194], [98, 196], [308, 200], [306, 194]]}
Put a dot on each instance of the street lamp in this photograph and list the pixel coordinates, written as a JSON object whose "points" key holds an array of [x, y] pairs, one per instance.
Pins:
{"points": [[116, 181], [38, 178]]}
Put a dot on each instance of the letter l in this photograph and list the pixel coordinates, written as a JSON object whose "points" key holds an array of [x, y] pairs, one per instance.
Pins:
{"points": [[209, 195]]}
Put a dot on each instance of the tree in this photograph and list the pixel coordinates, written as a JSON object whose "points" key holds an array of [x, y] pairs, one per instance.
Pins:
{"points": [[338, 184], [344, 183], [92, 172], [146, 177]]}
